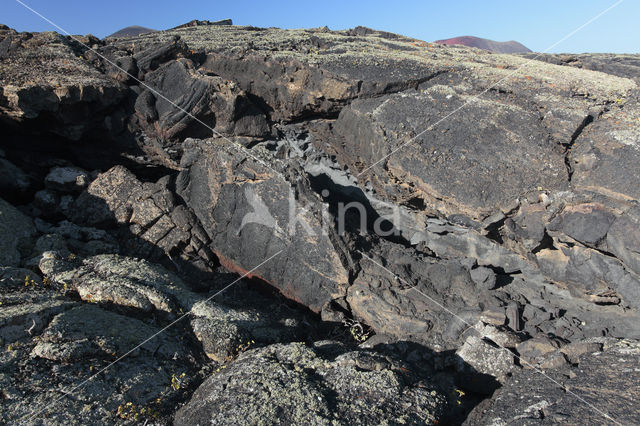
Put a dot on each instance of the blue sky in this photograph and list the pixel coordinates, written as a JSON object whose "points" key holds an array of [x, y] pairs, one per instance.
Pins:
{"points": [[537, 24]]}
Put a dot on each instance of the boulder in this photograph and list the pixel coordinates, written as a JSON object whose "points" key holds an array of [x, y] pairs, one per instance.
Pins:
{"points": [[252, 214], [151, 221], [125, 282], [225, 331], [490, 363], [66, 337], [299, 384]]}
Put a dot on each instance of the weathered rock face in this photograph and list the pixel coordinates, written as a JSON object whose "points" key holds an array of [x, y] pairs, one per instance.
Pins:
{"points": [[409, 306], [509, 155], [511, 146], [149, 219], [213, 101], [532, 398], [306, 72], [296, 384], [604, 153], [250, 213], [44, 77]]}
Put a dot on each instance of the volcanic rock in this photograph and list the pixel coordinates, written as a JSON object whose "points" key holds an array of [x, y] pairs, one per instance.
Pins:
{"points": [[492, 226], [250, 214], [297, 384], [566, 394]]}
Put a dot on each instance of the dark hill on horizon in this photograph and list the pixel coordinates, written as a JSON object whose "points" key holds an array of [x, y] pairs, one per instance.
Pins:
{"points": [[131, 31], [136, 30], [486, 44]]}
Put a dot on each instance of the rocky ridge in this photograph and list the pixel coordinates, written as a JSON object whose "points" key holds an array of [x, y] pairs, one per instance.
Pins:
{"points": [[497, 241]]}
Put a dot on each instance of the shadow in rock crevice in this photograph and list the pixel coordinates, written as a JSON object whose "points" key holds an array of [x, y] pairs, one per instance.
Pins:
{"points": [[339, 198], [464, 386]]}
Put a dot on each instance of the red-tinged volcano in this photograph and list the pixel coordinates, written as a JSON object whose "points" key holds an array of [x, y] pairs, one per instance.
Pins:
{"points": [[483, 43]]}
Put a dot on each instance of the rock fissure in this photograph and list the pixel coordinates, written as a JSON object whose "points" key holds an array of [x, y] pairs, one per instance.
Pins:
{"points": [[586, 122]]}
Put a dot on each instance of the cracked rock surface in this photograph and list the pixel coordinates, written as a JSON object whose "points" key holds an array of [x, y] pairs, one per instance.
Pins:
{"points": [[315, 226]]}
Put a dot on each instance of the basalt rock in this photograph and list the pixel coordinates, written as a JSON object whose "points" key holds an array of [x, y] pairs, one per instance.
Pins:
{"points": [[568, 394], [66, 91], [296, 384], [251, 213], [148, 219], [191, 103], [309, 72], [76, 342]]}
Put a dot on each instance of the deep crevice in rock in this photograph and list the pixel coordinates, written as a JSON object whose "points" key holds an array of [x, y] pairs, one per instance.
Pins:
{"points": [[587, 120], [547, 243]]}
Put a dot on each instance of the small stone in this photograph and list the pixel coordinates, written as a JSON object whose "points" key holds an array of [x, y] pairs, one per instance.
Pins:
{"points": [[47, 201], [575, 349], [485, 358], [552, 360], [67, 179], [533, 349], [494, 316], [484, 277], [513, 317]]}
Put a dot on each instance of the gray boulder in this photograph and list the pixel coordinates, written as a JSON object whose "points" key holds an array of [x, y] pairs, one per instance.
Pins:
{"points": [[296, 384], [250, 213], [76, 344], [223, 325]]}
